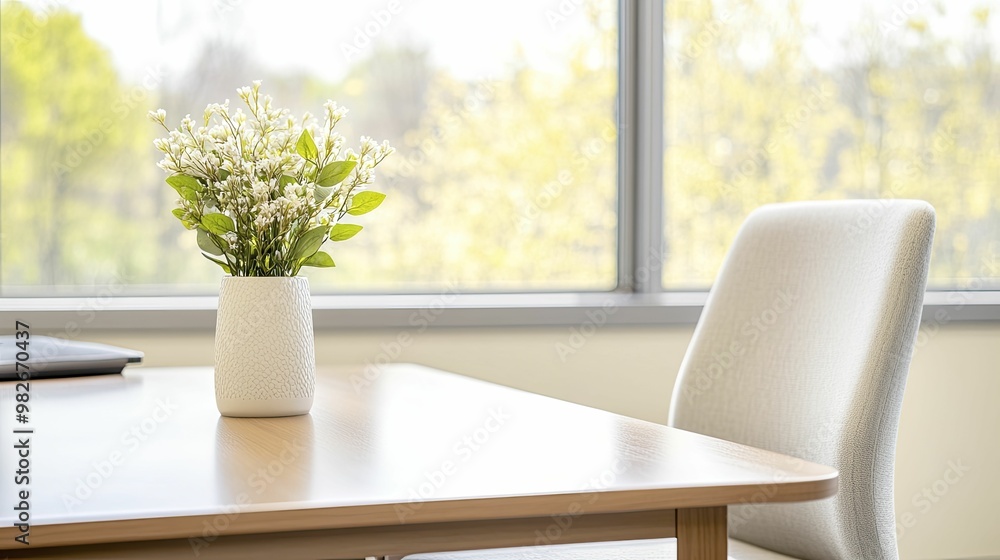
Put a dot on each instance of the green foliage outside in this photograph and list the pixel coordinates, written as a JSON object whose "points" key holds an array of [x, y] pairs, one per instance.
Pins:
{"points": [[509, 182], [903, 113]]}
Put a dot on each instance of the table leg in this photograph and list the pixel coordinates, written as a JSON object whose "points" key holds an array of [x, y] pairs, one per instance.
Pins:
{"points": [[701, 533]]}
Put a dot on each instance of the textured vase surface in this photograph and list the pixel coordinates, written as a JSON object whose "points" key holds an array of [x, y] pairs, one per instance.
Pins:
{"points": [[265, 361]]}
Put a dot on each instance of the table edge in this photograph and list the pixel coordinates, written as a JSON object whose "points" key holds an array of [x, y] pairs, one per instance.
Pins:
{"points": [[442, 511]]}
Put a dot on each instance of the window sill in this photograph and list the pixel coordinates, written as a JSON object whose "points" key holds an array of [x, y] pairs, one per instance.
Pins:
{"points": [[72, 315]]}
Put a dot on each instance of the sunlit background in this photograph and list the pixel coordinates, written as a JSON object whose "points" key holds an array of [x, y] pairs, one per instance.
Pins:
{"points": [[504, 115], [777, 100]]}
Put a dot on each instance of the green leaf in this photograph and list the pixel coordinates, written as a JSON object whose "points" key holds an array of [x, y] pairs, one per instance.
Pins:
{"points": [[286, 180], [322, 193], [224, 266], [319, 259], [365, 202], [179, 182], [309, 243], [219, 224], [206, 244], [305, 147], [335, 172], [179, 214], [223, 174], [343, 232], [187, 193], [186, 186]]}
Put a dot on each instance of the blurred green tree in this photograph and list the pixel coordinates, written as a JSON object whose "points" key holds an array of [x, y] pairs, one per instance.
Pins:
{"points": [[69, 139], [508, 182], [760, 109]]}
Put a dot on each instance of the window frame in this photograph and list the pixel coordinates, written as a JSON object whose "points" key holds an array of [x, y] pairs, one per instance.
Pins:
{"points": [[638, 299]]}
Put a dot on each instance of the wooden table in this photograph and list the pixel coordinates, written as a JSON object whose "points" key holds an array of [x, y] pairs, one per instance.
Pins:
{"points": [[404, 460]]}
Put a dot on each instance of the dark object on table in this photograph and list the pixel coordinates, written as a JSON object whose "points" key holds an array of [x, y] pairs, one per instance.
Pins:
{"points": [[50, 357]]}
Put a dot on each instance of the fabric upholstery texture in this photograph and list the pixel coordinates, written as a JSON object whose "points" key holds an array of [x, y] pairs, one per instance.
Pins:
{"points": [[802, 348]]}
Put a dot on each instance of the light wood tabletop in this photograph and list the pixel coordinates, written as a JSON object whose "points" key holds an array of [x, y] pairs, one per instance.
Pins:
{"points": [[402, 460]]}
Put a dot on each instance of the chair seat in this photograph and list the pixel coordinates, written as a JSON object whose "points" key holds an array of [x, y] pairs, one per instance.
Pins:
{"points": [[657, 549]]}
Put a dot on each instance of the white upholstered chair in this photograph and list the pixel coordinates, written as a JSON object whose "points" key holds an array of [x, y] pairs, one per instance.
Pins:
{"points": [[803, 348]]}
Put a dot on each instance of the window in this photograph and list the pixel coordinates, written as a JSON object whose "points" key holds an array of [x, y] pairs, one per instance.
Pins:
{"points": [[769, 101], [505, 177], [519, 133]]}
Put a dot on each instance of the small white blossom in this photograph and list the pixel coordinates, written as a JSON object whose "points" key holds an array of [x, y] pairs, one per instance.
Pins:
{"points": [[158, 116], [334, 113]]}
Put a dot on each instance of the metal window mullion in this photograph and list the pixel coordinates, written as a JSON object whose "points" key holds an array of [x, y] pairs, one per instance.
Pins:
{"points": [[649, 246], [627, 68], [640, 184]]}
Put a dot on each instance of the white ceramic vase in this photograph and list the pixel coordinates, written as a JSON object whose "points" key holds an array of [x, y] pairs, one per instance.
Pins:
{"points": [[265, 362]]}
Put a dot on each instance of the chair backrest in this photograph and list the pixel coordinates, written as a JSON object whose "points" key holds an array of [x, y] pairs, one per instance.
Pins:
{"points": [[803, 348]]}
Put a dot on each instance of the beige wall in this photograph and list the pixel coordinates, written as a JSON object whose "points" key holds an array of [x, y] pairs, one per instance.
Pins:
{"points": [[950, 419]]}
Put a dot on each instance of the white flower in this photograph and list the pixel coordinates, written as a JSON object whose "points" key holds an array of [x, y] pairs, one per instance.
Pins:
{"points": [[159, 116], [261, 191], [262, 221], [384, 150], [334, 112]]}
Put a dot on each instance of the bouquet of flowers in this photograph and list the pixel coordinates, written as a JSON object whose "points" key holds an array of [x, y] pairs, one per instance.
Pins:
{"points": [[263, 190]]}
